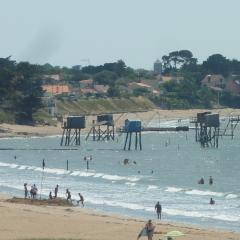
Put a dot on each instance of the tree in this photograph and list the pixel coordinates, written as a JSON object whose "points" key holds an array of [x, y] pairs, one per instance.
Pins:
{"points": [[29, 91], [105, 77], [217, 64], [140, 92], [113, 91]]}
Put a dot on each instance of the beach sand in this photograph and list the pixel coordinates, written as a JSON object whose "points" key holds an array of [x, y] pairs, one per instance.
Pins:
{"points": [[12, 130], [23, 221]]}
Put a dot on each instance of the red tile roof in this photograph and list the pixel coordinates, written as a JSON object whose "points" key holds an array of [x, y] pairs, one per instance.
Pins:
{"points": [[56, 89]]}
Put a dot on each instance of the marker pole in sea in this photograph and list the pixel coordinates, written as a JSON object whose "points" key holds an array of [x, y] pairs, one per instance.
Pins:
{"points": [[87, 159], [43, 167]]}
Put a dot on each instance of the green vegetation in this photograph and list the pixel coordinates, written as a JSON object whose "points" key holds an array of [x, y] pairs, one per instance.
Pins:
{"points": [[189, 92], [22, 99], [20, 91]]}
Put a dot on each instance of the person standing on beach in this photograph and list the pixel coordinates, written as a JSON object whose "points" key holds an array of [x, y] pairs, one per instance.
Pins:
{"points": [[50, 195], [25, 190], [68, 195], [56, 191], [81, 199], [150, 229], [158, 209]]}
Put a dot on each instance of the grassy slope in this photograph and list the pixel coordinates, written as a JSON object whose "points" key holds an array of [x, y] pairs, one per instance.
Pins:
{"points": [[87, 106], [98, 106]]}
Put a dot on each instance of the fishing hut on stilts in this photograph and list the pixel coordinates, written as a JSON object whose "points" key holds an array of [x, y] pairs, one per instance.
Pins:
{"points": [[231, 126], [207, 126], [130, 128], [102, 128], [72, 130]]}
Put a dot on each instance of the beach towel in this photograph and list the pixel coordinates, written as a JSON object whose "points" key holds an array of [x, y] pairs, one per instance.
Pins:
{"points": [[174, 234]]}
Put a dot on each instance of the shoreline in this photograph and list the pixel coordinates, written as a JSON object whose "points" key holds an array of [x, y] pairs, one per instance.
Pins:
{"points": [[101, 224], [15, 130], [84, 223]]}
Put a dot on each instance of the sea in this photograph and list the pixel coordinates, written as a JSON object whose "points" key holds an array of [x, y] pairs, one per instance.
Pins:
{"points": [[166, 170]]}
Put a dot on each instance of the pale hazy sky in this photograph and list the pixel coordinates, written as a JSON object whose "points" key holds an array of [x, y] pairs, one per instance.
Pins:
{"points": [[65, 32]]}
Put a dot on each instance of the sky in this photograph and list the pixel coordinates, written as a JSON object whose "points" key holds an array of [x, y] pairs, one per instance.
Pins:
{"points": [[82, 32]]}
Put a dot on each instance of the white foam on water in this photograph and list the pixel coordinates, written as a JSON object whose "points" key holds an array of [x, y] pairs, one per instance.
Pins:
{"points": [[130, 183], [75, 173], [56, 171], [59, 171], [174, 189], [23, 167], [119, 178], [152, 187], [204, 193], [97, 175], [196, 214], [18, 187], [2, 164], [228, 218], [132, 206], [231, 196]]}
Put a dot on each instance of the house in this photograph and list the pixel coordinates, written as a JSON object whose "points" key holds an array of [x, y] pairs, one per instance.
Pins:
{"points": [[56, 89], [55, 77], [213, 81], [163, 79], [136, 85], [88, 83], [101, 89], [233, 85], [88, 91]]}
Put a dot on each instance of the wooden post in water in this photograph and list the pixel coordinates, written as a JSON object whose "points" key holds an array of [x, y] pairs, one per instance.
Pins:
{"points": [[126, 139]]}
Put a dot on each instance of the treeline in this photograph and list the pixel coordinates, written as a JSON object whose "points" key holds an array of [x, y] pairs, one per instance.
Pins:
{"points": [[114, 74], [188, 93], [20, 84], [183, 61], [21, 93], [20, 90]]}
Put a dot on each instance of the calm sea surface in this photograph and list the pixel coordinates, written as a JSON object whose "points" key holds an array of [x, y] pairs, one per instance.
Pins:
{"points": [[176, 160]]}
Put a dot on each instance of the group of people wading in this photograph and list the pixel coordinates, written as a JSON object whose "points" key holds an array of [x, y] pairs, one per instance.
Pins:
{"points": [[210, 181]]}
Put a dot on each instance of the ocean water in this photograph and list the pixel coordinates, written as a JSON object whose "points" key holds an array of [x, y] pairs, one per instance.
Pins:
{"points": [[166, 170]]}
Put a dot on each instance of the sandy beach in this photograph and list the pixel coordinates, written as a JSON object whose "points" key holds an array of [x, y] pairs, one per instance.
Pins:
{"points": [[22, 221], [12, 130]]}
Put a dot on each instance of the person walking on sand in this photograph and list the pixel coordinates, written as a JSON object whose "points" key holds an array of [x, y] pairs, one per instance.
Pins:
{"points": [[81, 199], [68, 195], [158, 209], [150, 229], [56, 191], [50, 195], [25, 191]]}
